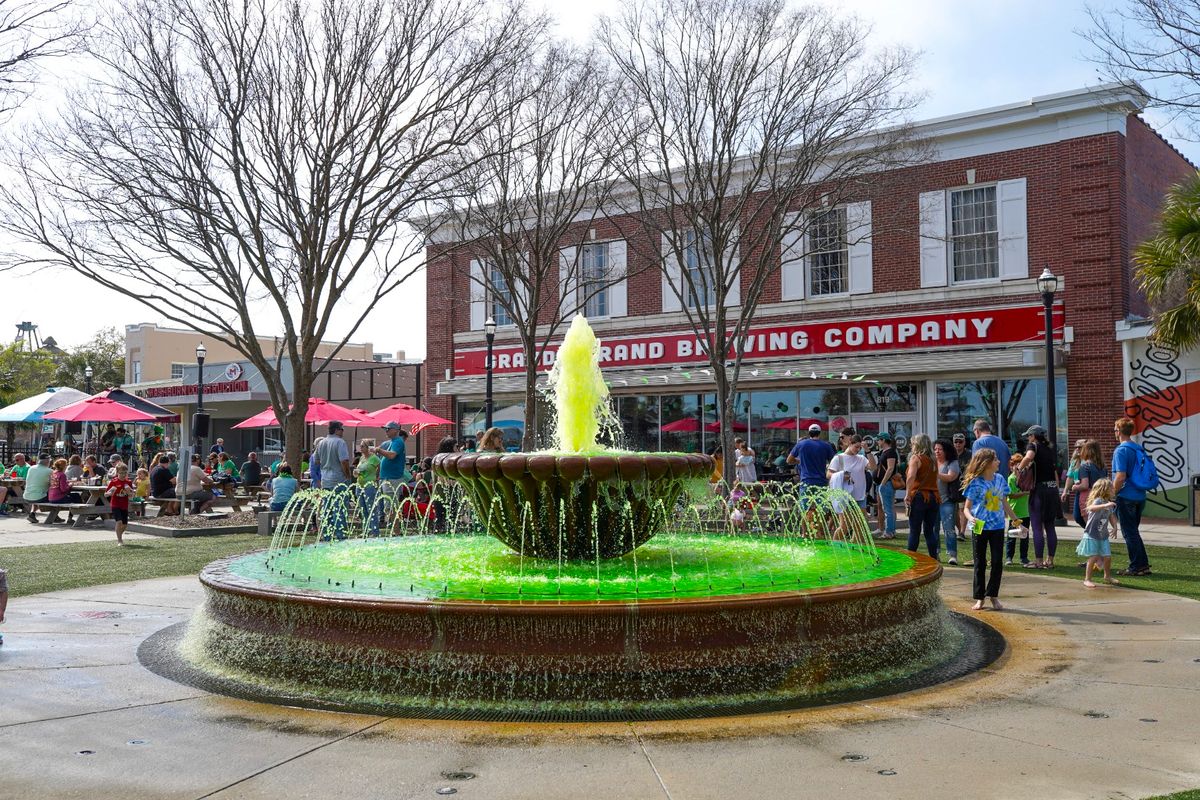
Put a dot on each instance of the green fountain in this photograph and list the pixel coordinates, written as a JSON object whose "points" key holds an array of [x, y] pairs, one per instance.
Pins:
{"points": [[580, 583]]}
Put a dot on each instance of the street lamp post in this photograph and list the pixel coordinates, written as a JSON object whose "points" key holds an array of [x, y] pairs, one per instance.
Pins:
{"points": [[1048, 284], [201, 352], [489, 328], [87, 378]]}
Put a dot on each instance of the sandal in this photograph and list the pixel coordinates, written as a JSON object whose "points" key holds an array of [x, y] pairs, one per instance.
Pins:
{"points": [[1032, 565]]}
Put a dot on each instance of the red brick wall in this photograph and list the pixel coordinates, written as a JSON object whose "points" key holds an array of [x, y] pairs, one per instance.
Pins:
{"points": [[1078, 225], [1152, 167]]}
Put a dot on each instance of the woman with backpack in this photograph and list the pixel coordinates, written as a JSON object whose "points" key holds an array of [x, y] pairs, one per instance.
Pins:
{"points": [[1045, 505], [949, 494]]}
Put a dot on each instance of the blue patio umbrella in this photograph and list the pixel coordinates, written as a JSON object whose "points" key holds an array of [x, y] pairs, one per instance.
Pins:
{"points": [[32, 409]]}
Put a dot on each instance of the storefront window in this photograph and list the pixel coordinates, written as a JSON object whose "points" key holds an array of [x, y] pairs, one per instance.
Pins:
{"points": [[773, 418], [507, 415], [1023, 403], [682, 423], [639, 421], [826, 407], [960, 404], [888, 397]]}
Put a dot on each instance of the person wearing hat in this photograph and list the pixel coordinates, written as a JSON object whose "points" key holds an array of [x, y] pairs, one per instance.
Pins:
{"points": [[811, 457], [887, 463], [393, 455], [1045, 504], [113, 462], [153, 444]]}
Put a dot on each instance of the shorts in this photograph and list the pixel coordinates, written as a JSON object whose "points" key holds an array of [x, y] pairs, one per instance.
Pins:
{"points": [[121, 515]]}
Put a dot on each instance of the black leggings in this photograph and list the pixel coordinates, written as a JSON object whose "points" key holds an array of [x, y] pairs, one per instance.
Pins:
{"points": [[989, 541]]}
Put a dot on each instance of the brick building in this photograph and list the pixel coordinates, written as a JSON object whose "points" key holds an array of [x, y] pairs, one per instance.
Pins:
{"points": [[927, 291]]}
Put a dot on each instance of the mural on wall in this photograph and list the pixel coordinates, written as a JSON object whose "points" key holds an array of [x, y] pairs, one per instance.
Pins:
{"points": [[1157, 402]]}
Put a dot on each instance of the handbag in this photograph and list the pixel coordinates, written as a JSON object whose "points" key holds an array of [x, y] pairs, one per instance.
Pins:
{"points": [[1025, 480], [897, 481]]}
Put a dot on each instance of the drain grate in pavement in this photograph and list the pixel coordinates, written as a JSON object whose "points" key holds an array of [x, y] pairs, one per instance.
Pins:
{"points": [[458, 776], [95, 615]]}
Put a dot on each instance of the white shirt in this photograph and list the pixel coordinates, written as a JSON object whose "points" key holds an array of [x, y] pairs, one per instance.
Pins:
{"points": [[744, 469], [855, 479]]}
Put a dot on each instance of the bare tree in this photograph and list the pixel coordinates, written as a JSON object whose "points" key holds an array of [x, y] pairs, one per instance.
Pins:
{"points": [[754, 117], [31, 31], [239, 167], [1156, 42], [538, 181]]}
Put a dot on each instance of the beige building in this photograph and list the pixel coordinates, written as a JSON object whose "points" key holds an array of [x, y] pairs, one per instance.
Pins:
{"points": [[157, 353]]}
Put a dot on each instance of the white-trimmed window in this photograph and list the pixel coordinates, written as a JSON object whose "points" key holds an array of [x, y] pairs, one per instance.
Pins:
{"points": [[828, 253], [499, 294], [177, 371], [974, 234], [135, 372], [594, 274], [699, 262]]}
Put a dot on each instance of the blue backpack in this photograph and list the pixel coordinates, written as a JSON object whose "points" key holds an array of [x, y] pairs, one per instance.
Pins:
{"points": [[1144, 475]]}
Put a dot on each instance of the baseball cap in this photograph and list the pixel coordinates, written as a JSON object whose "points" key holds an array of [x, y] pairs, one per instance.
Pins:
{"points": [[113, 457], [392, 424], [814, 427], [1035, 430], [960, 437], [884, 436]]}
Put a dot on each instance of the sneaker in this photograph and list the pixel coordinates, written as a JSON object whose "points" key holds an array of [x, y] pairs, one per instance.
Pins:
{"points": [[961, 537], [1008, 563], [876, 532], [952, 561]]}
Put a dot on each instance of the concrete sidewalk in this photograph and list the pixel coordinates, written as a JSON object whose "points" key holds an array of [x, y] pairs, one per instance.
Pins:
{"points": [[16, 531], [1168, 533], [1096, 698]]}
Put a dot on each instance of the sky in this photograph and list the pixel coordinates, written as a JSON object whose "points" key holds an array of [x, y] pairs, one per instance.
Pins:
{"points": [[973, 54]]}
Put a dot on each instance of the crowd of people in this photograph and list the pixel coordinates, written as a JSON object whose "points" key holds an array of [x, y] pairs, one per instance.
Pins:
{"points": [[998, 500]]}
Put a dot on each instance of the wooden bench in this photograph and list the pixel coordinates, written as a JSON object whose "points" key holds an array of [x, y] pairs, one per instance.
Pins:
{"points": [[82, 512]]}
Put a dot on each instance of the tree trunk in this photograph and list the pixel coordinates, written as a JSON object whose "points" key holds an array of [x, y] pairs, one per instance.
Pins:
{"points": [[725, 415], [294, 420], [529, 439]]}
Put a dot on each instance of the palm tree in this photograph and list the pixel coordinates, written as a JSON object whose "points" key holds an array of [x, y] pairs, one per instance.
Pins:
{"points": [[1167, 268]]}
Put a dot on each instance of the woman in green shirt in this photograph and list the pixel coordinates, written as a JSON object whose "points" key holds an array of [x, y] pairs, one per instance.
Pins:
{"points": [[367, 471]]}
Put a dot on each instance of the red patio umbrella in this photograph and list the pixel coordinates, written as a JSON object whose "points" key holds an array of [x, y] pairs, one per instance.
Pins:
{"points": [[319, 410], [685, 425], [98, 409], [404, 414], [715, 427], [791, 424]]}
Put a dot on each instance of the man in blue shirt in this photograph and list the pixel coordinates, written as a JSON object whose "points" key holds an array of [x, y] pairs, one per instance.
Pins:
{"points": [[985, 438], [811, 457], [332, 457], [1130, 500], [392, 457]]}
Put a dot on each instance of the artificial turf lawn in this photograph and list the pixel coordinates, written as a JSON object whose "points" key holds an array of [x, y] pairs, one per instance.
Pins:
{"points": [[1176, 569], [51, 567]]}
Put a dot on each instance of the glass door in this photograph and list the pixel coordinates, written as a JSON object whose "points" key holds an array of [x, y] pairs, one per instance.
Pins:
{"points": [[900, 426]]}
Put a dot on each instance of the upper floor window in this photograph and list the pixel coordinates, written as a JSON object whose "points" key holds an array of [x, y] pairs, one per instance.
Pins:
{"points": [[594, 275], [177, 371], [698, 261], [499, 296], [974, 234], [828, 253], [135, 371]]}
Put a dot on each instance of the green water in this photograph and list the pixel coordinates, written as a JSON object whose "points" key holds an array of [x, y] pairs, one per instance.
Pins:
{"points": [[480, 567]]}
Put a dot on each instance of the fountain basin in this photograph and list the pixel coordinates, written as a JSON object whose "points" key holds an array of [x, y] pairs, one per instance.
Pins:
{"points": [[569, 506], [458, 657]]}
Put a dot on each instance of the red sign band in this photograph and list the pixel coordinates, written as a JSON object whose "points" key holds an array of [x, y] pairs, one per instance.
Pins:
{"points": [[946, 329]]}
